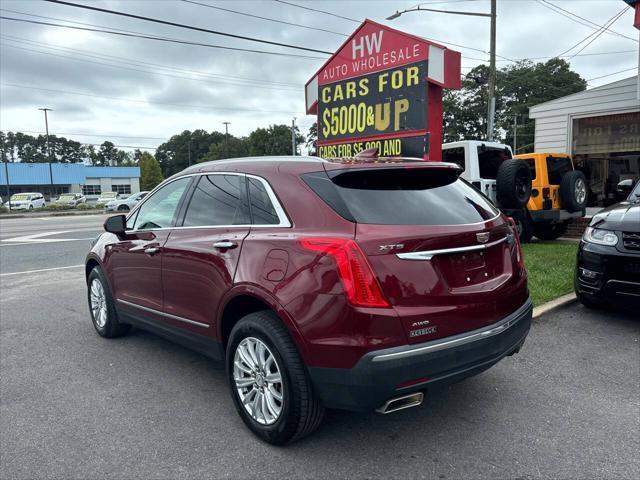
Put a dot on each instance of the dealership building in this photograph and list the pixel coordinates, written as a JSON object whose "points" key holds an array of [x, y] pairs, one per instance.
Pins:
{"points": [[56, 178], [600, 128]]}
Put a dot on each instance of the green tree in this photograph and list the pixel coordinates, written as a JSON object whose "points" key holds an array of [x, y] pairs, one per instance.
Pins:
{"points": [[312, 139], [185, 148], [150, 172], [519, 86], [274, 140], [233, 147]]}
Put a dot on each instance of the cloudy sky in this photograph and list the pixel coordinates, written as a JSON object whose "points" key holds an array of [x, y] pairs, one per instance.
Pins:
{"points": [[139, 92]]}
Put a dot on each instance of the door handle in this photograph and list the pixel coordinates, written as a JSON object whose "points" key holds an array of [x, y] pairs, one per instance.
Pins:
{"points": [[225, 244], [151, 250]]}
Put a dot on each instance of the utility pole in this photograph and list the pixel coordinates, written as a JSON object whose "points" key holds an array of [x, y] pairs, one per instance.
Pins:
{"points": [[189, 147], [6, 172], [492, 75], [46, 124], [491, 110], [293, 136], [226, 138], [515, 134]]}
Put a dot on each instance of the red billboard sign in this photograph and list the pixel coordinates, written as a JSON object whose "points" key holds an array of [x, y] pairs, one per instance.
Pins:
{"points": [[382, 88]]}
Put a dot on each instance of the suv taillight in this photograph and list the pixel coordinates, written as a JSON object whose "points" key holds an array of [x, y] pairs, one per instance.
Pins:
{"points": [[359, 281], [519, 256]]}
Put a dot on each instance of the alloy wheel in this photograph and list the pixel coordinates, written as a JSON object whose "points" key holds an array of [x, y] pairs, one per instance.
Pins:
{"points": [[258, 381], [98, 303]]}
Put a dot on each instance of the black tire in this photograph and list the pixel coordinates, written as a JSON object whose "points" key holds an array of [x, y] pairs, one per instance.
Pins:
{"points": [[301, 411], [524, 226], [112, 327], [550, 231], [573, 191], [30, 207], [513, 184], [123, 208]]}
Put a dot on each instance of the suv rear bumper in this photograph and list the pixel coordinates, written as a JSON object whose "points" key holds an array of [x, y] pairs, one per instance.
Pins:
{"points": [[384, 374]]}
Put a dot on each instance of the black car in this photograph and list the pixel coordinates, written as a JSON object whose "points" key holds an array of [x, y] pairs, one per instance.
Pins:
{"points": [[608, 263]]}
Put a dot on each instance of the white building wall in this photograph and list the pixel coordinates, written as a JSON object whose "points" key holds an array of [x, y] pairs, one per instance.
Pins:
{"points": [[106, 183], [554, 119]]}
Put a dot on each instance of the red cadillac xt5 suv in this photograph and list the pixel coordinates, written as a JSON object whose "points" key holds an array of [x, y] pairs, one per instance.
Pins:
{"points": [[322, 284]]}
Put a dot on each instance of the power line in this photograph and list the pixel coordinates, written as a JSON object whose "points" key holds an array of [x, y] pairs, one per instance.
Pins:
{"points": [[265, 18], [122, 146], [611, 74], [570, 15], [147, 71], [69, 21], [161, 39], [201, 107], [566, 56], [598, 33], [133, 61], [87, 134], [188, 27], [318, 11]]}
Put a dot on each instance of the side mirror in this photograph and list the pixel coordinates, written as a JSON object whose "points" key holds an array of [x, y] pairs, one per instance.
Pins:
{"points": [[624, 187], [116, 224]]}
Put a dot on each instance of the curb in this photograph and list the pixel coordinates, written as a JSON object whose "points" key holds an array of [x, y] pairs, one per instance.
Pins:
{"points": [[554, 304], [52, 214]]}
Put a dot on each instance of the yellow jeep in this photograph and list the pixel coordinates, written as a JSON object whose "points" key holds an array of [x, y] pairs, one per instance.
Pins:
{"points": [[558, 194]]}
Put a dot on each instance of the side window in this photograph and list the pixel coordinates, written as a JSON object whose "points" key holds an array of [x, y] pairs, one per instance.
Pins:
{"points": [[217, 200], [556, 169], [158, 210], [531, 162], [261, 207], [454, 155]]}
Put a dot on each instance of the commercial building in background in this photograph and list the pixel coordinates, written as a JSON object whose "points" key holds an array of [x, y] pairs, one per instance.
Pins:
{"points": [[67, 178], [600, 128]]}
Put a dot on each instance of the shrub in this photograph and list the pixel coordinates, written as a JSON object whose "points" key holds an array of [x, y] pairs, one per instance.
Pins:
{"points": [[53, 207], [85, 206]]}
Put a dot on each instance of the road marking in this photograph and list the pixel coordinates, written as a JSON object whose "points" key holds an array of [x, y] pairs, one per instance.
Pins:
{"points": [[37, 237], [48, 241], [40, 270]]}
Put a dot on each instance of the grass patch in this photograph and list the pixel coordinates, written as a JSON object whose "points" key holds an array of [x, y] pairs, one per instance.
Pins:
{"points": [[550, 266]]}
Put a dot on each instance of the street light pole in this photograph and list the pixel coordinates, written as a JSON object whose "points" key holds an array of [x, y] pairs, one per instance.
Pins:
{"points": [[226, 138], [515, 134], [293, 136], [492, 75], [46, 124], [492, 55]]}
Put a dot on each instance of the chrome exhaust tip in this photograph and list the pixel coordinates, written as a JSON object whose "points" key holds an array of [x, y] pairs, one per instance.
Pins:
{"points": [[400, 403]]}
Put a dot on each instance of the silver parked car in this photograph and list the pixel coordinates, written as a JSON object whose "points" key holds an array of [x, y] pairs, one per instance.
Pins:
{"points": [[124, 204], [70, 199]]}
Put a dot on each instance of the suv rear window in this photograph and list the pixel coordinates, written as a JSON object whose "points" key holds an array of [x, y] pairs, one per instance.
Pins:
{"points": [[402, 197], [489, 159], [454, 155], [556, 169], [532, 166]]}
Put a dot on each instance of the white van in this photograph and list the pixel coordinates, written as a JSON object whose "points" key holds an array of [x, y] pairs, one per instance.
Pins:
{"points": [[25, 201]]}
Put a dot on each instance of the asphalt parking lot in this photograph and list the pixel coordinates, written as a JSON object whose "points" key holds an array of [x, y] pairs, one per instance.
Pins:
{"points": [[75, 405]]}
